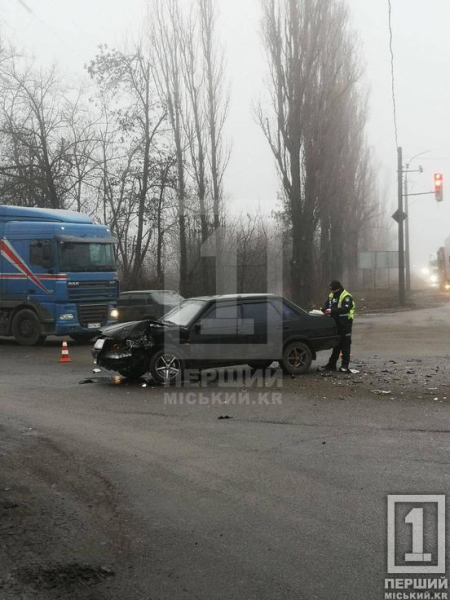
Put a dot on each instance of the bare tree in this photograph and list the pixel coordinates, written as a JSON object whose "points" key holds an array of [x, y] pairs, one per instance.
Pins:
{"points": [[190, 73], [139, 118], [36, 169], [165, 23], [317, 136], [217, 102], [293, 34]]}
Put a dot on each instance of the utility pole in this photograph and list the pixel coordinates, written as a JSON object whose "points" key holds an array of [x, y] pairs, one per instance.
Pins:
{"points": [[401, 241], [407, 253]]}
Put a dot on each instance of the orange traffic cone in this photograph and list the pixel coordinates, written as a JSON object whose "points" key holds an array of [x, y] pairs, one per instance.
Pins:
{"points": [[65, 357]]}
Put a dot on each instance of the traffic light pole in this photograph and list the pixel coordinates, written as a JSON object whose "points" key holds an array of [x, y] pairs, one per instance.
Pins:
{"points": [[401, 240]]}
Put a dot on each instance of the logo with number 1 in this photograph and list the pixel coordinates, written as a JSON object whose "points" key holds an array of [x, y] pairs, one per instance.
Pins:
{"points": [[412, 526]]}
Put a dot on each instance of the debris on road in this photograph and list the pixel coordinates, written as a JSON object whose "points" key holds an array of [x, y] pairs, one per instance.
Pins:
{"points": [[381, 392], [224, 417]]}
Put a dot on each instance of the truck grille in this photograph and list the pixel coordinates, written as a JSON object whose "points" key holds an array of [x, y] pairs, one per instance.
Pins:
{"points": [[92, 290], [92, 313]]}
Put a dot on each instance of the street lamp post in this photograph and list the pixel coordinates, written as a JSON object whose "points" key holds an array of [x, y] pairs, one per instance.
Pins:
{"points": [[407, 249], [406, 195]]}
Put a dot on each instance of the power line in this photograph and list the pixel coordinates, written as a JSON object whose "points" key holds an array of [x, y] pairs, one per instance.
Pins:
{"points": [[47, 26], [391, 48]]}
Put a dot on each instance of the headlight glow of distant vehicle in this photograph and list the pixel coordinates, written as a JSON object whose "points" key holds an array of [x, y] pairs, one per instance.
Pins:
{"points": [[434, 279]]}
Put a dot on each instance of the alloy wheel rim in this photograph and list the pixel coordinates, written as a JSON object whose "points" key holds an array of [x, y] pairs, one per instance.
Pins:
{"points": [[167, 366], [297, 358]]}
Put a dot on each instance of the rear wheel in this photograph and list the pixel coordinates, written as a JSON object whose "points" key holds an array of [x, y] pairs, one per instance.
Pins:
{"points": [[26, 328], [166, 366], [297, 358]]}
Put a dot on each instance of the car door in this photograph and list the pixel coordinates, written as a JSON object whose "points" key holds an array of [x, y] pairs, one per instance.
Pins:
{"points": [[41, 261], [135, 307], [124, 308], [214, 337], [153, 310], [140, 306], [264, 326]]}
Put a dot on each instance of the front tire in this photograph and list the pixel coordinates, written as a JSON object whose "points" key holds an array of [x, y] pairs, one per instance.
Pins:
{"points": [[297, 358], [26, 328], [166, 366]]}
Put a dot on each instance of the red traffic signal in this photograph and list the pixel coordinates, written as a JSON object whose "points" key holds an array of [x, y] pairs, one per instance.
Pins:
{"points": [[438, 187]]}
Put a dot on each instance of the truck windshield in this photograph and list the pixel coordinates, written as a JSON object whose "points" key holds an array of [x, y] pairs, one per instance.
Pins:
{"points": [[75, 256]]}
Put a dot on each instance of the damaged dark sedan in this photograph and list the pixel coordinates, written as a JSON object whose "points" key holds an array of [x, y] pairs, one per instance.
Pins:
{"points": [[217, 331]]}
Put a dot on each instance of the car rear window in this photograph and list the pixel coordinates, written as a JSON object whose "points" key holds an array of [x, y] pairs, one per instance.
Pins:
{"points": [[289, 314], [260, 312], [166, 297]]}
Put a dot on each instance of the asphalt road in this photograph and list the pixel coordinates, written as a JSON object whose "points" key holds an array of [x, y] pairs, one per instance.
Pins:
{"points": [[109, 490]]}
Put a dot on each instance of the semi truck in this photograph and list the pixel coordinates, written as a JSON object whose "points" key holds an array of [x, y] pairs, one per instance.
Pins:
{"points": [[57, 275], [443, 266]]}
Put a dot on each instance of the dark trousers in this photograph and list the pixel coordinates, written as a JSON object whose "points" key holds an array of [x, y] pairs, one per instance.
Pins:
{"points": [[344, 346]]}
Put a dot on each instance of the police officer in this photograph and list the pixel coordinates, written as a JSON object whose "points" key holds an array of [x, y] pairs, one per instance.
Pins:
{"points": [[341, 307]]}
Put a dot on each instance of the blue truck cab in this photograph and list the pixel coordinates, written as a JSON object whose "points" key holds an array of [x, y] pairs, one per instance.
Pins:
{"points": [[57, 275]]}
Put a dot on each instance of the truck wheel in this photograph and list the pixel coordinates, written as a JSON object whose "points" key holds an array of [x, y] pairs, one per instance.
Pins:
{"points": [[26, 328], [297, 358], [83, 337]]}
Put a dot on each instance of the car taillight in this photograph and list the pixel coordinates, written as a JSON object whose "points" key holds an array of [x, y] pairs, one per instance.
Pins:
{"points": [[118, 347]]}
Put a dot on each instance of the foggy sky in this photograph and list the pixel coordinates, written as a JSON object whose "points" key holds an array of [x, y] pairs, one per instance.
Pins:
{"points": [[69, 32]]}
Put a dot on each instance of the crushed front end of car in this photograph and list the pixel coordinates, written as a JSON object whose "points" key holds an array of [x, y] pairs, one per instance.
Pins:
{"points": [[126, 347]]}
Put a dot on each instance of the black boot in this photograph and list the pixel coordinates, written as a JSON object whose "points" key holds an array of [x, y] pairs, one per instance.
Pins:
{"points": [[327, 367]]}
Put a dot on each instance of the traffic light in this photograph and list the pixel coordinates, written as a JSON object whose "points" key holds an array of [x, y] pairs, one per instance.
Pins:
{"points": [[438, 187]]}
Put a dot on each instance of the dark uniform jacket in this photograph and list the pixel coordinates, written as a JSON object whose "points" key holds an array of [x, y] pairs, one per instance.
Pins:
{"points": [[340, 314]]}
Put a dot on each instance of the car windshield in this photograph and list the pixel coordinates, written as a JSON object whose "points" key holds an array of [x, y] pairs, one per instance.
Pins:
{"points": [[167, 297], [185, 312], [91, 257]]}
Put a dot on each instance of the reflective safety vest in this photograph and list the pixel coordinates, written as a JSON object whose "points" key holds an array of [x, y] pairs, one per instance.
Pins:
{"points": [[351, 313]]}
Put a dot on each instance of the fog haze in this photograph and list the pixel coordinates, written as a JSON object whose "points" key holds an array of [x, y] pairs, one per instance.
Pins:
{"points": [[69, 33]]}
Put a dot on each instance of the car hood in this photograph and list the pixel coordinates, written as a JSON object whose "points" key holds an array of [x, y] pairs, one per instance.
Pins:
{"points": [[132, 330]]}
